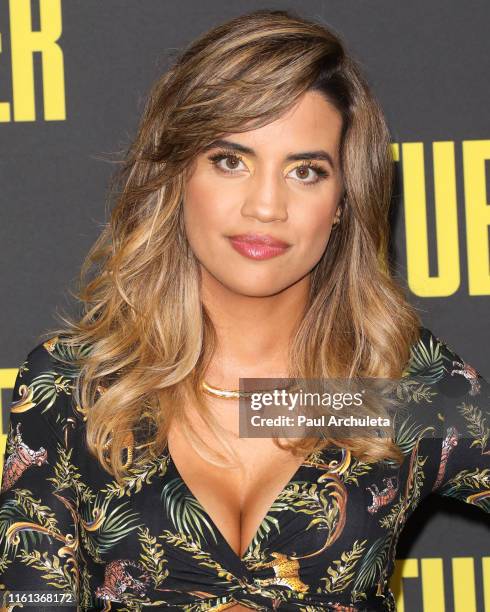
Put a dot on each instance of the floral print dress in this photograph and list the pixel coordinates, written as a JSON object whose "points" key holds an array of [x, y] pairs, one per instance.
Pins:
{"points": [[327, 542]]}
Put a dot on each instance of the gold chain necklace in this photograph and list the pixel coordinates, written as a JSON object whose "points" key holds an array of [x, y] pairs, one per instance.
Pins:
{"points": [[233, 393], [224, 393]]}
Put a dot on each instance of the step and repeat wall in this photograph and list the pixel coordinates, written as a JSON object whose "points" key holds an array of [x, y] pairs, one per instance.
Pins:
{"points": [[73, 80]]}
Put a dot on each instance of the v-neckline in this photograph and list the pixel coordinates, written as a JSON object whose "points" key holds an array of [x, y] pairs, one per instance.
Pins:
{"points": [[210, 519]]}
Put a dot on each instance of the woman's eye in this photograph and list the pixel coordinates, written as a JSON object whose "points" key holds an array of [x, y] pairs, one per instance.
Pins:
{"points": [[309, 174], [227, 162]]}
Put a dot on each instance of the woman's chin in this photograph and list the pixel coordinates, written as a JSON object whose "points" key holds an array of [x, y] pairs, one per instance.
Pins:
{"points": [[264, 287]]}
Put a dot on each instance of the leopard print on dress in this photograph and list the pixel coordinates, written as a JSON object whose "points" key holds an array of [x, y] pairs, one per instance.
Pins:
{"points": [[450, 441], [286, 572], [469, 372], [21, 459], [117, 580], [381, 498]]}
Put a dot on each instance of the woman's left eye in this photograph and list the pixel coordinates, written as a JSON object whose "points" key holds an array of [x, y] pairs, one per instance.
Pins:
{"points": [[308, 170]]}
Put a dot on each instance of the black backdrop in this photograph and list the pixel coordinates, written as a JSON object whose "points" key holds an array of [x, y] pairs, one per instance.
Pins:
{"points": [[71, 94]]}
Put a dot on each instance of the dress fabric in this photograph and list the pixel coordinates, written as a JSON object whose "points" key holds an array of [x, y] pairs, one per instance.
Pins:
{"points": [[328, 541]]}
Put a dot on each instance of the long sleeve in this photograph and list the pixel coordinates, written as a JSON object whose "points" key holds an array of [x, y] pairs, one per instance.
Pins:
{"points": [[463, 403], [38, 521]]}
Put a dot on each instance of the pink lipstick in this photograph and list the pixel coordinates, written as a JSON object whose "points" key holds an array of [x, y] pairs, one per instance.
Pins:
{"points": [[258, 246]]}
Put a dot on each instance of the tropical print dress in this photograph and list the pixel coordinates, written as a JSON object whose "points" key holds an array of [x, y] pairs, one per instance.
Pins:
{"points": [[328, 541]]}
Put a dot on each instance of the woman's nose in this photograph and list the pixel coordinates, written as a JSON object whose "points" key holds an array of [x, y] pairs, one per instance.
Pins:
{"points": [[266, 197]]}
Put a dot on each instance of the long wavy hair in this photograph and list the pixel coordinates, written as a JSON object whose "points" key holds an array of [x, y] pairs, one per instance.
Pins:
{"points": [[149, 335]]}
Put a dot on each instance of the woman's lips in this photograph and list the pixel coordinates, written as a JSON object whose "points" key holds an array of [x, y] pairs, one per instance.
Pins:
{"points": [[258, 247]]}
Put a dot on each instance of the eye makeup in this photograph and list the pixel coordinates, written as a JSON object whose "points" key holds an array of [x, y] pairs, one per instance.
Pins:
{"points": [[222, 154], [216, 158]]}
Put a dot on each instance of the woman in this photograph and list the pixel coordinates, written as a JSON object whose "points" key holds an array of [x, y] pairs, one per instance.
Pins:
{"points": [[248, 240]]}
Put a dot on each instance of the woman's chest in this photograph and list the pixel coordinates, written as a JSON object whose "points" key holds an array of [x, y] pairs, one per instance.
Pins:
{"points": [[237, 497]]}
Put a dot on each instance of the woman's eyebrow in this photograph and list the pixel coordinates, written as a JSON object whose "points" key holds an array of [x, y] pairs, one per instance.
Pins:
{"points": [[235, 146]]}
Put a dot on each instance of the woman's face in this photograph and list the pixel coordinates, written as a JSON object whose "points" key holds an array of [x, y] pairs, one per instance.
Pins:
{"points": [[280, 182]]}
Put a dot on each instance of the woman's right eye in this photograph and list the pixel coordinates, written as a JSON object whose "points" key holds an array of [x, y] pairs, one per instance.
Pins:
{"points": [[231, 162]]}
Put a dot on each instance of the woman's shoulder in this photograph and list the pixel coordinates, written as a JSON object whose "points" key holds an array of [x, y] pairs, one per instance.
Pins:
{"points": [[435, 361], [53, 353], [44, 385]]}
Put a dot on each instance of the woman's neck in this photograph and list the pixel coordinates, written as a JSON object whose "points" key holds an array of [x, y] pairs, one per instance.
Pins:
{"points": [[253, 331]]}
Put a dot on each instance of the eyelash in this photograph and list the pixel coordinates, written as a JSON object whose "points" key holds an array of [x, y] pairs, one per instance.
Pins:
{"points": [[223, 154]]}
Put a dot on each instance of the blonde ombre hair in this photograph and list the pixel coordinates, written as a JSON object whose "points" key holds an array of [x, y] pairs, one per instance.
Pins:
{"points": [[149, 334]]}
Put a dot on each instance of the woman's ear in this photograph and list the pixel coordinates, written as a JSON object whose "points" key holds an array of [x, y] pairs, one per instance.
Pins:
{"points": [[338, 212], [336, 219]]}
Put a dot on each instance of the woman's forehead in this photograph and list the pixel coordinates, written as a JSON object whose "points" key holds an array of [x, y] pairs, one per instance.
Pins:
{"points": [[310, 122]]}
